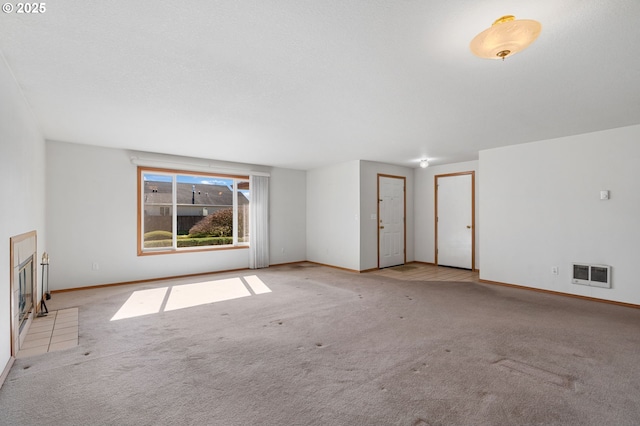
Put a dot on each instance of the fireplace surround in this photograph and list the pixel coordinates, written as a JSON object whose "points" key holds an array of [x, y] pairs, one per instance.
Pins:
{"points": [[24, 285]]}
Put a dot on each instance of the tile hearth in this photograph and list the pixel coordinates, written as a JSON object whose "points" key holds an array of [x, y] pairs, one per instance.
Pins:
{"points": [[56, 331]]}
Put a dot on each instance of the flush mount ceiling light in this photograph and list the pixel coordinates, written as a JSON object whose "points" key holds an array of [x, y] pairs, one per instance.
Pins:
{"points": [[424, 164], [507, 36]]}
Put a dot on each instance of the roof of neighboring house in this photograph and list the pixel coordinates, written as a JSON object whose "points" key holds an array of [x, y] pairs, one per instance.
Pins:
{"points": [[196, 194]]}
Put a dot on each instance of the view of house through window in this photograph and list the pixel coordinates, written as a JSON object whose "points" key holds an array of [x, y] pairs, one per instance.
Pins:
{"points": [[181, 211]]}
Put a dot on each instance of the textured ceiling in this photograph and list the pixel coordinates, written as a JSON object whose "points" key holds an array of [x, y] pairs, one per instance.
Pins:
{"points": [[306, 83]]}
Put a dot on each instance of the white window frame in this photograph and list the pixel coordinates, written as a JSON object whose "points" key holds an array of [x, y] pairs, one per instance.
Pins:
{"points": [[173, 174]]}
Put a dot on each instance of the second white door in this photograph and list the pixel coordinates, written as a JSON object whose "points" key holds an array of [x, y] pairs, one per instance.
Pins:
{"points": [[391, 221], [454, 220]]}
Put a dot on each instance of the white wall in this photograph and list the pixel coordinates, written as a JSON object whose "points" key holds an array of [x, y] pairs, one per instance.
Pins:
{"points": [[287, 216], [369, 204], [541, 207], [22, 188], [333, 215], [425, 208], [92, 218]]}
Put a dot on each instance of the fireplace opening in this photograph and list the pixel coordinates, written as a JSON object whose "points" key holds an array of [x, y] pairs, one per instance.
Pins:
{"points": [[25, 293], [23, 278]]}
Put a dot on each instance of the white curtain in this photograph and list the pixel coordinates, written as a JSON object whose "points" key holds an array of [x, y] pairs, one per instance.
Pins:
{"points": [[259, 222]]}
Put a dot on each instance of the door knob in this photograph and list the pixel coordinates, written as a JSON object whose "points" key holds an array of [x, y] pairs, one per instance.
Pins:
{"points": [[468, 227], [381, 227]]}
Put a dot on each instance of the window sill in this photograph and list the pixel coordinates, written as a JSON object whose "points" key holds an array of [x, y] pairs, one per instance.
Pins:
{"points": [[191, 250]]}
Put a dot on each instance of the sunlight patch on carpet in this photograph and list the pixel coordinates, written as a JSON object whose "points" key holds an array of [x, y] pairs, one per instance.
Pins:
{"points": [[142, 302], [189, 295], [257, 285], [163, 299]]}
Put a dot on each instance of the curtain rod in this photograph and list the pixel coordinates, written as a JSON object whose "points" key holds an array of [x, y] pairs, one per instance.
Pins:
{"points": [[209, 168]]}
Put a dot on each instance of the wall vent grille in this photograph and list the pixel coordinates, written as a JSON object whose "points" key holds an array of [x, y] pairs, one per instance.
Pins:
{"points": [[591, 275]]}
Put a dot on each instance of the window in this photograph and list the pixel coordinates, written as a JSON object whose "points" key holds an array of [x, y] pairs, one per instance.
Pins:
{"points": [[181, 211]]}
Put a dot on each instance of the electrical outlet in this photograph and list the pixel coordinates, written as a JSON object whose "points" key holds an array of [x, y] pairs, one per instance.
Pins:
{"points": [[95, 266], [554, 270]]}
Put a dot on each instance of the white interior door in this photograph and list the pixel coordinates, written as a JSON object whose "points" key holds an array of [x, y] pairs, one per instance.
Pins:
{"points": [[391, 221], [454, 221]]}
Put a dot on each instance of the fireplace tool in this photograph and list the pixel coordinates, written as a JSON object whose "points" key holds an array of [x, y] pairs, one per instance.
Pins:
{"points": [[45, 273], [47, 295]]}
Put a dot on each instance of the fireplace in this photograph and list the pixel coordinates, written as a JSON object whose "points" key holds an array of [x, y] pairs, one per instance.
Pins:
{"points": [[23, 281], [25, 291]]}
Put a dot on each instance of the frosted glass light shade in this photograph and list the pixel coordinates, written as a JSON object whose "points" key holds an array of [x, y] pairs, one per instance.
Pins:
{"points": [[507, 36]]}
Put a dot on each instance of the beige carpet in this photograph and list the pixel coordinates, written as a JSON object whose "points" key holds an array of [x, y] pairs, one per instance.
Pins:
{"points": [[327, 347]]}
